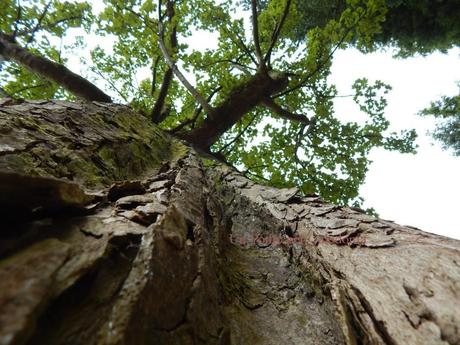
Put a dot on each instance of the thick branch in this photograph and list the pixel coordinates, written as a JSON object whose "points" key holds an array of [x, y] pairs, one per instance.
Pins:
{"points": [[194, 92], [285, 114], [241, 101], [53, 71]]}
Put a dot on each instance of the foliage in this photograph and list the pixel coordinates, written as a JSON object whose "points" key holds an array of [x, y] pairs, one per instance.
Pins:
{"points": [[327, 156], [447, 110], [413, 26]]}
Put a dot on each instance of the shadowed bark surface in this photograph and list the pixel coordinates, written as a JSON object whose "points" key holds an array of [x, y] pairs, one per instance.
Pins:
{"points": [[115, 233]]}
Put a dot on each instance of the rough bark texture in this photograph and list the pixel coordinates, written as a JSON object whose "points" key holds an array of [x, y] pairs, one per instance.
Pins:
{"points": [[114, 233]]}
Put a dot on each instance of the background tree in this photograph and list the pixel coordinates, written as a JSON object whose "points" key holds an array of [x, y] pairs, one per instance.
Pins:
{"points": [[260, 99], [447, 131], [412, 27]]}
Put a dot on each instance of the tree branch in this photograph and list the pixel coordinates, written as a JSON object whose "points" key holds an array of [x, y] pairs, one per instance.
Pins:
{"points": [[51, 70], [285, 114], [18, 18], [277, 31], [159, 111], [255, 34], [194, 92], [31, 87], [239, 135], [154, 75], [3, 93], [244, 47], [111, 83], [38, 25], [197, 113]]}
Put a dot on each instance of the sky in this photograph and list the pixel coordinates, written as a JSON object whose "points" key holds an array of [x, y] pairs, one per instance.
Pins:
{"points": [[421, 190]]}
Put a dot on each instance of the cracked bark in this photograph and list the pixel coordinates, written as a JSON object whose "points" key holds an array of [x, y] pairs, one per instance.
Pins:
{"points": [[114, 233]]}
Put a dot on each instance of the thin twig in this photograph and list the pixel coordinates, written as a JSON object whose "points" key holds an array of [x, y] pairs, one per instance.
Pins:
{"points": [[27, 88], [110, 82], [239, 134], [239, 42]]}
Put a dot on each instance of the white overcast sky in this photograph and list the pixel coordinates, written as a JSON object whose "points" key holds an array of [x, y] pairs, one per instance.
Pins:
{"points": [[421, 190]]}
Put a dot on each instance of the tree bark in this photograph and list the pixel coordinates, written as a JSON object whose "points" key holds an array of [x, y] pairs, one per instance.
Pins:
{"points": [[113, 232]]}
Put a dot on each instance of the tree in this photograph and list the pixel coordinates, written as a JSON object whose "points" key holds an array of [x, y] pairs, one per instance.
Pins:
{"points": [[412, 27], [268, 86], [114, 232], [447, 110]]}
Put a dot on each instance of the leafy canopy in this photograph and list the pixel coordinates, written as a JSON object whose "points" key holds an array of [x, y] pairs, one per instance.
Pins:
{"points": [[320, 154]]}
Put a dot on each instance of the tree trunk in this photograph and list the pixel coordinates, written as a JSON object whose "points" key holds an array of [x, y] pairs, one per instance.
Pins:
{"points": [[113, 232]]}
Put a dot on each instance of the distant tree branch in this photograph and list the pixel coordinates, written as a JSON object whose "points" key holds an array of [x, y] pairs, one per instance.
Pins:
{"points": [[51, 70], [277, 31], [18, 18], [38, 25], [44, 27], [194, 92], [30, 87], [234, 63], [285, 114], [239, 42], [3, 93]]}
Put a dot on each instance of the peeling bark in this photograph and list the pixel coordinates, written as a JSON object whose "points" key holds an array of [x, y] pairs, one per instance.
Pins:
{"points": [[155, 244]]}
